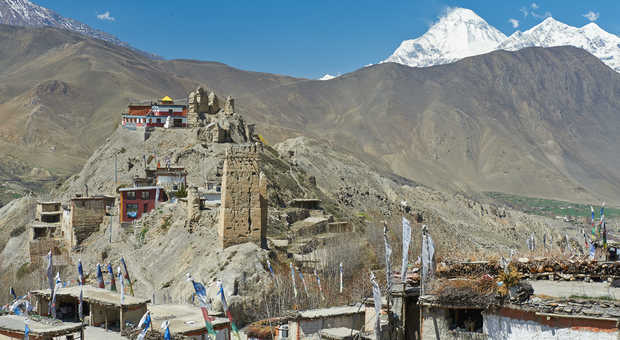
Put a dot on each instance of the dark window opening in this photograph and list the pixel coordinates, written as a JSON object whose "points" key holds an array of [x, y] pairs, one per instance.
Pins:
{"points": [[132, 210], [146, 207], [158, 120], [42, 232], [465, 320], [50, 218], [131, 195], [146, 195]]}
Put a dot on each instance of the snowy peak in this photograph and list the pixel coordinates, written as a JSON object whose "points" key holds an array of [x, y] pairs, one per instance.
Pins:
{"points": [[459, 33], [551, 32], [26, 13]]}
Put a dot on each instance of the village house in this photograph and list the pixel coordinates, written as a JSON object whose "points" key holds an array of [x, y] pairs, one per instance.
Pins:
{"points": [[171, 178], [137, 201], [101, 307], [165, 113], [310, 322], [14, 326], [187, 321], [85, 215], [46, 235], [565, 304]]}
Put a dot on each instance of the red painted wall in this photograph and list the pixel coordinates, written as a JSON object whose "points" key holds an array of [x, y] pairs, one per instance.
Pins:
{"points": [[144, 205]]}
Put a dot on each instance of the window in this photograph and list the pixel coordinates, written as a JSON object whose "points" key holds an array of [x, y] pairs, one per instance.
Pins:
{"points": [[132, 210], [158, 120], [146, 195], [146, 208], [131, 195], [465, 320]]}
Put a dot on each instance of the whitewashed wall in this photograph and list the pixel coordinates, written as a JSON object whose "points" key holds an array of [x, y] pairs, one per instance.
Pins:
{"points": [[504, 328]]}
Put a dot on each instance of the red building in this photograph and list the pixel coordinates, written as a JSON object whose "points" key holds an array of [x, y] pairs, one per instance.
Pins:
{"points": [[138, 201], [162, 114]]}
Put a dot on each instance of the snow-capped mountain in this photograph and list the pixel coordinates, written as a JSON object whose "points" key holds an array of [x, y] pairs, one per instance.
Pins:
{"points": [[551, 32], [26, 13], [461, 33], [327, 76]]}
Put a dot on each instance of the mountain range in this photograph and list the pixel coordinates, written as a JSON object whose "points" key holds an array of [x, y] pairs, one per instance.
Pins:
{"points": [[538, 122], [462, 33], [28, 14]]}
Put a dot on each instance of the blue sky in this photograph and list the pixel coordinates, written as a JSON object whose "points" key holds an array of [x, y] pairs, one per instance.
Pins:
{"points": [[304, 38]]}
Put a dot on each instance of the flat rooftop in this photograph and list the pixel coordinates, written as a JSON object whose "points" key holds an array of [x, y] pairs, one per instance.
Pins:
{"points": [[45, 327], [140, 188], [565, 289], [329, 312], [183, 318], [95, 295]]}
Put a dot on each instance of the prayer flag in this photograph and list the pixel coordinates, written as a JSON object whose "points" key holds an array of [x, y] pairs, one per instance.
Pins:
{"points": [[226, 311], [26, 332], [80, 308], [166, 327], [50, 280], [428, 254], [122, 284], [303, 281], [293, 278], [100, 276], [146, 323], [406, 242], [201, 293], [12, 292], [318, 282], [376, 292], [273, 276], [127, 276], [341, 279], [112, 280], [388, 260], [80, 272]]}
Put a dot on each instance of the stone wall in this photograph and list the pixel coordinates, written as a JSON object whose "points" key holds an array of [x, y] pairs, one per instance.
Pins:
{"points": [[243, 213], [39, 248], [436, 325], [86, 216]]}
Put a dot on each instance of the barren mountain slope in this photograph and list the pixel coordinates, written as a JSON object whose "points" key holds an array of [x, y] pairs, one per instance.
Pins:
{"points": [[537, 122], [162, 247]]}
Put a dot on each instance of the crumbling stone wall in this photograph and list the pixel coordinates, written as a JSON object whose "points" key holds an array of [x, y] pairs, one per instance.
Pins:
{"points": [[243, 213], [86, 216]]}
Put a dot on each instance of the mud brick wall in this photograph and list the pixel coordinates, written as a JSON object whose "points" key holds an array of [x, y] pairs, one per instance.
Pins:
{"points": [[86, 216], [243, 214], [38, 250]]}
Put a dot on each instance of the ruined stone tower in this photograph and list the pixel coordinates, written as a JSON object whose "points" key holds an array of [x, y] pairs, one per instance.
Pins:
{"points": [[243, 213]]}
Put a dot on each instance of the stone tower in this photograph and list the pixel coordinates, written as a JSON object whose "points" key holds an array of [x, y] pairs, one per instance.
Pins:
{"points": [[243, 213]]}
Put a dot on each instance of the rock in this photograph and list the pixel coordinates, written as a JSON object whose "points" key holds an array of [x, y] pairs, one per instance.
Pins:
{"points": [[229, 106], [524, 260], [213, 104]]}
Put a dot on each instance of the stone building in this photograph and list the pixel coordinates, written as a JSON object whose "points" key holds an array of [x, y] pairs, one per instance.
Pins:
{"points": [[85, 217], [101, 307], [46, 235], [243, 213]]}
